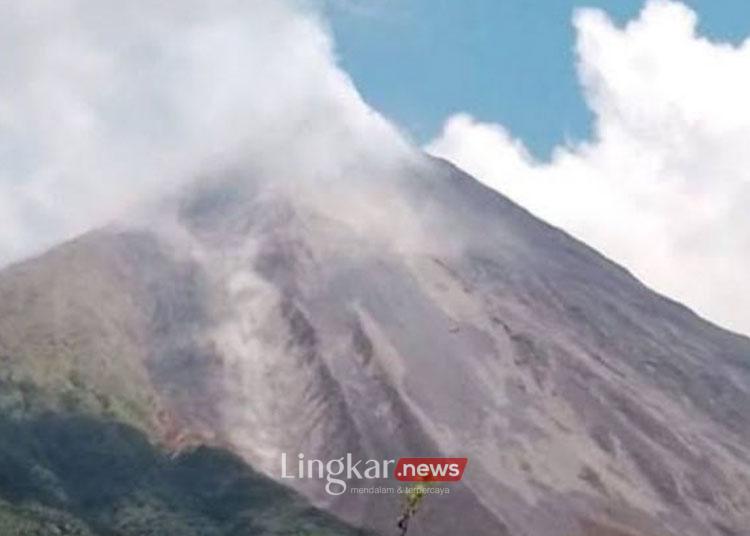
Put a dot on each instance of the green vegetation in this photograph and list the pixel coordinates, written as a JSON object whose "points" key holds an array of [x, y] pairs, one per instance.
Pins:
{"points": [[79, 475], [412, 501], [79, 432]]}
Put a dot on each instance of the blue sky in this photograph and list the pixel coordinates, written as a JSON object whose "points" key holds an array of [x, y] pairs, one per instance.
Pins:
{"points": [[504, 61], [663, 190]]}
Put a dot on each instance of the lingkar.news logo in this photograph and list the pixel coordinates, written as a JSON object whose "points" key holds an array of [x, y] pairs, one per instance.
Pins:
{"points": [[338, 471]]}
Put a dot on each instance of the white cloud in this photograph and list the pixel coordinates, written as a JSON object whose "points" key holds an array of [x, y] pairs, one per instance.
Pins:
{"points": [[105, 103], [664, 185]]}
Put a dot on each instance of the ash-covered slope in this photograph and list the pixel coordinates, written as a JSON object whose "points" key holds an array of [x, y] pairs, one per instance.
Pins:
{"points": [[86, 447], [413, 312]]}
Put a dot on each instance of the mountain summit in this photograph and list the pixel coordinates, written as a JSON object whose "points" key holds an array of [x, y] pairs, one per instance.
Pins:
{"points": [[400, 311]]}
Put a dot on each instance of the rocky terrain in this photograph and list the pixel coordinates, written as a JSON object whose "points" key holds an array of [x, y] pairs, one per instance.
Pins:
{"points": [[407, 311]]}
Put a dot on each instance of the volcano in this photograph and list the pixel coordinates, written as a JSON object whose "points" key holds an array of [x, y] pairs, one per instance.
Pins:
{"points": [[405, 311]]}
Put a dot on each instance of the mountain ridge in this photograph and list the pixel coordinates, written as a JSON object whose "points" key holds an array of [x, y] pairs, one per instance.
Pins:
{"points": [[443, 319]]}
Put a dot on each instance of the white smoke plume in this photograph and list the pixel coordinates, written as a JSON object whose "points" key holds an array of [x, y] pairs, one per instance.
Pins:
{"points": [[105, 104]]}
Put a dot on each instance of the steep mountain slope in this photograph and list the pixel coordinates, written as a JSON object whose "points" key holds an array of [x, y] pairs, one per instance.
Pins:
{"points": [[400, 312], [86, 448]]}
